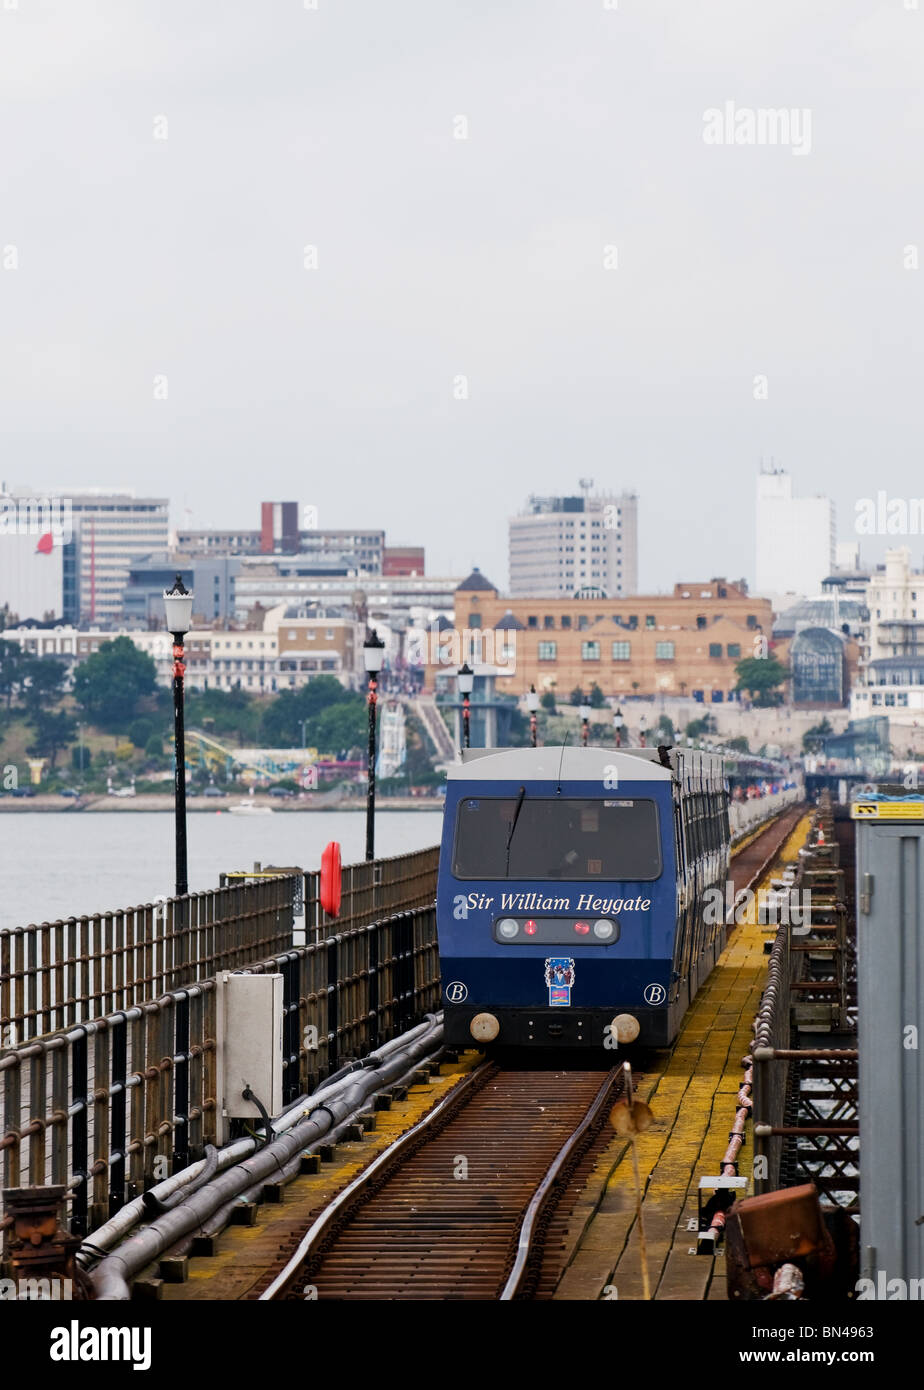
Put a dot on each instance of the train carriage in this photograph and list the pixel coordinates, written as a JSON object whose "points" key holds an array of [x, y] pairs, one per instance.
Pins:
{"points": [[571, 890]]}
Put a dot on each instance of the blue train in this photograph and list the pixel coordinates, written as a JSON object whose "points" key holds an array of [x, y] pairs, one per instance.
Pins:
{"points": [[570, 893]]}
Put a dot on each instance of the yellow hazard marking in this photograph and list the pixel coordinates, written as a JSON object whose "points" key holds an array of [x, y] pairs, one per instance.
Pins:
{"points": [[692, 1093], [887, 810]]}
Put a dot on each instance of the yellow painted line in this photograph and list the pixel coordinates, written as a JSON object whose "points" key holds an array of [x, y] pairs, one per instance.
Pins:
{"points": [[692, 1093], [245, 1253]]}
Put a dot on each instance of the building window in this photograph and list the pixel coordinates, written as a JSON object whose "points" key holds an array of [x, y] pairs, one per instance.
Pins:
{"points": [[650, 620], [621, 651], [700, 622], [583, 622], [566, 621], [590, 651], [751, 620], [548, 621], [548, 651], [734, 649], [633, 621], [715, 648], [664, 651], [532, 620]]}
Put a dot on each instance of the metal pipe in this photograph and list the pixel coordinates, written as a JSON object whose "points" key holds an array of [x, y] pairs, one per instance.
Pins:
{"points": [[124, 1221], [112, 1276]]}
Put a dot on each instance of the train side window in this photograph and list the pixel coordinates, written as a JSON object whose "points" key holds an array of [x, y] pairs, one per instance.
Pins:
{"points": [[678, 837]]}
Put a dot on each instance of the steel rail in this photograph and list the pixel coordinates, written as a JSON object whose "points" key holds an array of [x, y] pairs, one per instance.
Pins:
{"points": [[387, 1159], [540, 1196]]}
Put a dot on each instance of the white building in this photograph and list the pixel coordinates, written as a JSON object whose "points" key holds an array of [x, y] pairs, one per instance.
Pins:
{"points": [[895, 599], [559, 545], [111, 531], [795, 548], [32, 575]]}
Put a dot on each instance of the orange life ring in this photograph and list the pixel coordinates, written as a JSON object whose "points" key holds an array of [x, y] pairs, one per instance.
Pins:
{"points": [[330, 879]]}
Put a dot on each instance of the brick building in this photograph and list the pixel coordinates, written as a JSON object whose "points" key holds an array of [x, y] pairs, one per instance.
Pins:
{"points": [[684, 643]]}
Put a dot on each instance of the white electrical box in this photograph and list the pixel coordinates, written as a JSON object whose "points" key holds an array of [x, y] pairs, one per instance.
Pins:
{"points": [[248, 1047]]}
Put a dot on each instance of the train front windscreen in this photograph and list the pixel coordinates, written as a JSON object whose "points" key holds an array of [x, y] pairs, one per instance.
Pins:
{"points": [[548, 838]]}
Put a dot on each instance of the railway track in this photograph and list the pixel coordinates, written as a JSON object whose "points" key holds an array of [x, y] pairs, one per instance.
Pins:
{"points": [[460, 1205], [439, 1213]]}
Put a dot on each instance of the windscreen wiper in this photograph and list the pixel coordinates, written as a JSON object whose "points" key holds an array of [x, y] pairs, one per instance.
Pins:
{"points": [[513, 825]]}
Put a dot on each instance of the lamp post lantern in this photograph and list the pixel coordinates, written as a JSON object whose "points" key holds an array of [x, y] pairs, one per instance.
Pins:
{"points": [[532, 704], [178, 603], [617, 725], [585, 721], [642, 725], [374, 656], [466, 679]]}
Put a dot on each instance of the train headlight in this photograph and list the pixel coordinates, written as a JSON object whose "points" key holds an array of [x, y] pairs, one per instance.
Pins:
{"points": [[626, 1027], [508, 928], [484, 1028], [604, 930]]}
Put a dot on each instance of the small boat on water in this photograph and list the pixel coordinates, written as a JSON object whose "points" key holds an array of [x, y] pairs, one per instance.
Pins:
{"points": [[247, 808]]}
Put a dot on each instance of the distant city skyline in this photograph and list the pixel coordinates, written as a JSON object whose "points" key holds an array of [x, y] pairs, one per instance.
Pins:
{"points": [[490, 551]]}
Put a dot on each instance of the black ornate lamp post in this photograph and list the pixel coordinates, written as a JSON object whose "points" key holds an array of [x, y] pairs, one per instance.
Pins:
{"points": [[585, 721], [466, 679], [532, 704], [618, 726], [374, 656], [178, 603]]}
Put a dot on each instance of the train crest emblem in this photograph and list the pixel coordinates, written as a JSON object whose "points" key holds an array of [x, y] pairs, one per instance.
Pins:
{"points": [[559, 977]]}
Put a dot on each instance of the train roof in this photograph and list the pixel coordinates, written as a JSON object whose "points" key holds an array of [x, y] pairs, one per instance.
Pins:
{"points": [[573, 764]]}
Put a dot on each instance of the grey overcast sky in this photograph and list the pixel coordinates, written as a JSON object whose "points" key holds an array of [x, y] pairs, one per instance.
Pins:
{"points": [[136, 257]]}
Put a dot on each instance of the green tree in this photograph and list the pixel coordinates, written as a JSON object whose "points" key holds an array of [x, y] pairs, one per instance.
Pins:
{"points": [[109, 684], [140, 731], [547, 700], [340, 727], [154, 748], [665, 729], [11, 669], [597, 698], [280, 726], [761, 677], [53, 731], [739, 744], [224, 714], [42, 683], [813, 740]]}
